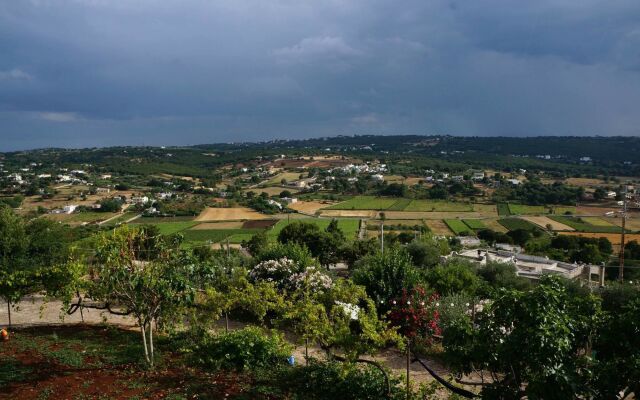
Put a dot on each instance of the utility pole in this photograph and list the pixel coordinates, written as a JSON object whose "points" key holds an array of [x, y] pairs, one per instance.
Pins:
{"points": [[383, 216], [624, 224]]}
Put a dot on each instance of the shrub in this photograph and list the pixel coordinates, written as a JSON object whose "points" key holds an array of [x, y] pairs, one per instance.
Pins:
{"points": [[333, 380], [312, 279], [241, 350], [276, 271]]}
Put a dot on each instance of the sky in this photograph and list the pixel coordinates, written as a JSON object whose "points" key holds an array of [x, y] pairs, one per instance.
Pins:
{"points": [[85, 73]]}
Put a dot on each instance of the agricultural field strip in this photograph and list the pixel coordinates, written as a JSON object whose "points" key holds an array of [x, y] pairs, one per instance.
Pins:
{"points": [[402, 204], [514, 223], [474, 224], [457, 226], [543, 222], [581, 225]]}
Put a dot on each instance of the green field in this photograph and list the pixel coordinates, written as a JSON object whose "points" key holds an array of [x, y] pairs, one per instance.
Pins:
{"points": [[561, 210], [349, 226], [217, 235], [438, 206], [503, 210], [168, 228], [393, 204], [89, 216], [587, 224], [513, 224], [457, 226], [521, 209], [157, 220], [365, 203], [474, 224], [122, 218], [596, 221], [399, 205]]}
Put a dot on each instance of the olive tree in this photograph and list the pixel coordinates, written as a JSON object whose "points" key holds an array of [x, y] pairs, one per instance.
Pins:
{"points": [[144, 276]]}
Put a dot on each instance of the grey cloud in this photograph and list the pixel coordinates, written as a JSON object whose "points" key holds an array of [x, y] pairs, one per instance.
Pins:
{"points": [[193, 71], [15, 74]]}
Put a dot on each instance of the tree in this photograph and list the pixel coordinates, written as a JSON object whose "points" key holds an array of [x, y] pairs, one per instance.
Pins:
{"points": [[532, 343], [453, 277], [144, 275], [359, 249], [257, 243], [385, 275], [28, 253], [617, 348], [502, 275], [13, 249], [325, 245], [426, 252]]}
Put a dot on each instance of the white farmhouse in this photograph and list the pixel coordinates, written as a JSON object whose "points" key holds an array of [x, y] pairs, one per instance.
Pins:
{"points": [[69, 209]]}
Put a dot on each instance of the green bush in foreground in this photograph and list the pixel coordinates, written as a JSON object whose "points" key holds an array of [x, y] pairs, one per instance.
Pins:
{"points": [[241, 350], [335, 380]]}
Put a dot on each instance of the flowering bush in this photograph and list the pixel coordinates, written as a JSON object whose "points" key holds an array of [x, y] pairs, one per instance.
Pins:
{"points": [[350, 310], [415, 314], [277, 271], [312, 279]]}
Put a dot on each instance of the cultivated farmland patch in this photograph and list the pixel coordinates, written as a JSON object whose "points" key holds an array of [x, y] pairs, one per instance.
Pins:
{"points": [[229, 214], [457, 226], [513, 224], [544, 221]]}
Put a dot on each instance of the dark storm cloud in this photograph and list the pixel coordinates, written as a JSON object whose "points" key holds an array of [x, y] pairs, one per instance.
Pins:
{"points": [[106, 72]]}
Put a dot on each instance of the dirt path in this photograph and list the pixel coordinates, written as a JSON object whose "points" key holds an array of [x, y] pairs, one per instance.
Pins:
{"points": [[34, 311]]}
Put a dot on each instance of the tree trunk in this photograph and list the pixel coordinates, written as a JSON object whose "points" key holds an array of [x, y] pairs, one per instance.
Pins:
{"points": [[306, 351], [408, 362], [151, 342], [9, 312], [226, 322], [144, 341]]}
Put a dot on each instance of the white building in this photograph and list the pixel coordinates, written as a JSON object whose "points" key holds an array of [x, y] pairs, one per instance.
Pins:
{"points": [[377, 177], [69, 209], [289, 200], [531, 267], [139, 200]]}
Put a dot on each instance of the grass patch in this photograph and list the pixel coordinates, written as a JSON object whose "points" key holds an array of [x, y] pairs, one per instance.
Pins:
{"points": [[216, 235], [457, 226], [122, 218], [11, 370], [77, 347], [438, 206], [503, 210], [474, 224], [364, 203], [596, 221], [521, 209], [168, 228], [513, 224], [562, 210], [349, 226], [399, 205], [158, 220], [89, 216], [585, 224]]}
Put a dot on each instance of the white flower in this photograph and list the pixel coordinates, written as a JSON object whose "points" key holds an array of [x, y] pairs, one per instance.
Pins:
{"points": [[312, 278], [351, 310]]}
